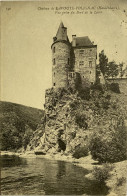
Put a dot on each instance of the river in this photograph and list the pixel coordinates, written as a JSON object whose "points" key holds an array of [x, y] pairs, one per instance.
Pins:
{"points": [[30, 176]]}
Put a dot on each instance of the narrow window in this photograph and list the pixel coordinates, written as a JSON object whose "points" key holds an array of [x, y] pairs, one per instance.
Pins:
{"points": [[81, 51], [54, 74], [90, 63], [54, 62], [54, 49], [68, 61], [90, 51], [54, 84]]}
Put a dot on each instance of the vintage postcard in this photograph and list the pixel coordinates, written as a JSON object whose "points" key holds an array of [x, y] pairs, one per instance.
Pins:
{"points": [[63, 108]]}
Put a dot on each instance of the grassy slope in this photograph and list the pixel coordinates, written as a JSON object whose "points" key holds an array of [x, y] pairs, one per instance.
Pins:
{"points": [[16, 118]]}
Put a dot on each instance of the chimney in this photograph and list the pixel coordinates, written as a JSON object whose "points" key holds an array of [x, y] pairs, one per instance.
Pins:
{"points": [[74, 40]]}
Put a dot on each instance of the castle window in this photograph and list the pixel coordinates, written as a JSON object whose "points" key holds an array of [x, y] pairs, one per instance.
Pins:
{"points": [[71, 75], [90, 51], [54, 84], [68, 61], [81, 63], [54, 74], [54, 62], [81, 51], [90, 63], [54, 49]]}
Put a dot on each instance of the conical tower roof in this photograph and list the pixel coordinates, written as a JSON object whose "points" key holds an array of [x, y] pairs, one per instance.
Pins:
{"points": [[62, 32], [61, 25]]}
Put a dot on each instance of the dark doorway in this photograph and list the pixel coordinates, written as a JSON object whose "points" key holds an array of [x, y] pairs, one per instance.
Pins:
{"points": [[62, 145]]}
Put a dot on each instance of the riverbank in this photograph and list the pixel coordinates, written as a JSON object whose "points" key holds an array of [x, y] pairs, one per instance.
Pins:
{"points": [[85, 162], [116, 182]]}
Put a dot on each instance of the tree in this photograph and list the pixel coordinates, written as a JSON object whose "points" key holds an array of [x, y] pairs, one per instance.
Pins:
{"points": [[27, 136], [109, 144], [98, 73], [112, 69], [103, 62], [121, 69]]}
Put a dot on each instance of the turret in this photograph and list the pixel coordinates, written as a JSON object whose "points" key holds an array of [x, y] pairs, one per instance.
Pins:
{"points": [[61, 48]]}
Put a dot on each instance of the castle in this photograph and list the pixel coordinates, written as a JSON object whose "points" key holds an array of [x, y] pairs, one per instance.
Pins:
{"points": [[72, 62]]}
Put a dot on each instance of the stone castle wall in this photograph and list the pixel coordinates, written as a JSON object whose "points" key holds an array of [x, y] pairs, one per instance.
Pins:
{"points": [[85, 64], [61, 63]]}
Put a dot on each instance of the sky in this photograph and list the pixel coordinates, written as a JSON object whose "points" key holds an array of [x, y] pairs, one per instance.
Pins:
{"points": [[27, 29]]}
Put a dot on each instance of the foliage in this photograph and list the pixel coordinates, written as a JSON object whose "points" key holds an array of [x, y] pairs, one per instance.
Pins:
{"points": [[102, 173], [81, 119], [120, 181], [84, 93], [121, 69], [103, 62], [114, 87], [27, 137], [15, 120], [74, 104], [109, 69], [112, 69], [80, 152], [10, 138], [78, 82], [60, 93], [98, 87], [109, 144], [98, 73]]}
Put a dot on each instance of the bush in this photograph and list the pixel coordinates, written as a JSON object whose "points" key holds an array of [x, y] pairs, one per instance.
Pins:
{"points": [[74, 105], [102, 173], [81, 119], [115, 87], [84, 93], [80, 152], [61, 92], [27, 136], [120, 181], [98, 87], [109, 145]]}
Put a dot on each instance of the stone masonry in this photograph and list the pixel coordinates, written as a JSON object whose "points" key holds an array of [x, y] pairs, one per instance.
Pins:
{"points": [[72, 59]]}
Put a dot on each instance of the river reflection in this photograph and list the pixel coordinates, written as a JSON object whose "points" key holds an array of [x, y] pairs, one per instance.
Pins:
{"points": [[41, 176]]}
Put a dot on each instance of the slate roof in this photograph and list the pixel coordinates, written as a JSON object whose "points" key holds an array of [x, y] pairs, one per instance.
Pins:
{"points": [[83, 41]]}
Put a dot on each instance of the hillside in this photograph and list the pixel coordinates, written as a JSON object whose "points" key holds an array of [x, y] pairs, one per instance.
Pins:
{"points": [[18, 123]]}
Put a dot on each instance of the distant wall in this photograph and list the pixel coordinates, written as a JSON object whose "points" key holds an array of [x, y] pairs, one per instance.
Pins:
{"points": [[122, 84]]}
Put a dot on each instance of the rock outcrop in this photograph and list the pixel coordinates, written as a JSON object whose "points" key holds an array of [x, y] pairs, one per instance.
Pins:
{"points": [[70, 120]]}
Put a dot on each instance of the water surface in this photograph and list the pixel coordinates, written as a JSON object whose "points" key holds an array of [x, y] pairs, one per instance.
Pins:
{"points": [[27, 176]]}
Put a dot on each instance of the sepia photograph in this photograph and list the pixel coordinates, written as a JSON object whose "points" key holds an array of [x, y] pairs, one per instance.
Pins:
{"points": [[63, 90]]}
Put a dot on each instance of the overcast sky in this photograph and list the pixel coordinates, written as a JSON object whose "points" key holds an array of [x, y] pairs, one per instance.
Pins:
{"points": [[26, 37]]}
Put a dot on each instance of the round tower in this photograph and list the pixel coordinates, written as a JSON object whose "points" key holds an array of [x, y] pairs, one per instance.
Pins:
{"points": [[61, 48]]}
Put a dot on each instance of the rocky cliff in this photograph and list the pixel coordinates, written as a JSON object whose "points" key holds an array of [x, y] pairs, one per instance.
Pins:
{"points": [[71, 117]]}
